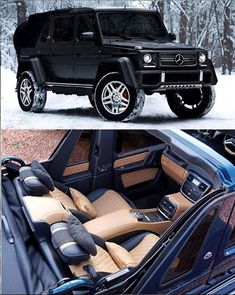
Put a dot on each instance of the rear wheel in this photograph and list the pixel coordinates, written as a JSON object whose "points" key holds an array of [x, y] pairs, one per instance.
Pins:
{"points": [[192, 103], [31, 96], [116, 101]]}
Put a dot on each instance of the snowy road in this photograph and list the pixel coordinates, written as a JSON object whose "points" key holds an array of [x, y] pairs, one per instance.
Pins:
{"points": [[67, 112]]}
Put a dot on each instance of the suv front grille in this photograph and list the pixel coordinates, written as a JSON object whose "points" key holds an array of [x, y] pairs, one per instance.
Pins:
{"points": [[178, 59]]}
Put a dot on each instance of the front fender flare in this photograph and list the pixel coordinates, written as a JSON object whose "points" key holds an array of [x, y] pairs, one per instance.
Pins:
{"points": [[124, 67]]}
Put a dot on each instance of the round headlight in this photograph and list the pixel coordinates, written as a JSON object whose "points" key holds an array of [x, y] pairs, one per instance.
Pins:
{"points": [[202, 58], [148, 58]]}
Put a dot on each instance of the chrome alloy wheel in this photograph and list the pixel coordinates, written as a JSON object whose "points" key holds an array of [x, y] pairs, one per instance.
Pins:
{"points": [[26, 89], [115, 97]]}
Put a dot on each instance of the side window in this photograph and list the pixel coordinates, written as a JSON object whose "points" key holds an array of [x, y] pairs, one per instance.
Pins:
{"points": [[128, 141], [64, 29], [42, 145], [45, 33], [86, 23], [81, 150], [185, 260]]}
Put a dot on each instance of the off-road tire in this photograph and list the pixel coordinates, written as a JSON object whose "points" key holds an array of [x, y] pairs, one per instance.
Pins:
{"points": [[136, 99], [36, 99], [190, 104]]}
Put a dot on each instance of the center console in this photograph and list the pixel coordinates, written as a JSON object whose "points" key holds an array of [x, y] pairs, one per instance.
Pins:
{"points": [[126, 221]]}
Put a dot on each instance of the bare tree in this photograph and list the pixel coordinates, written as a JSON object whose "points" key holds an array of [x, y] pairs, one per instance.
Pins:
{"points": [[227, 62], [21, 11], [183, 21]]}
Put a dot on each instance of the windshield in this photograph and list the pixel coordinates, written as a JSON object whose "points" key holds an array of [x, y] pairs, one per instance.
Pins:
{"points": [[136, 25]]}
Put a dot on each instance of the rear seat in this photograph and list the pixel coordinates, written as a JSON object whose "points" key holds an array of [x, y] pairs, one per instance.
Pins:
{"points": [[35, 181]]}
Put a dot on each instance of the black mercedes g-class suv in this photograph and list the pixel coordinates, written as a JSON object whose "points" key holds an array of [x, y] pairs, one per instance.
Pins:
{"points": [[115, 56]]}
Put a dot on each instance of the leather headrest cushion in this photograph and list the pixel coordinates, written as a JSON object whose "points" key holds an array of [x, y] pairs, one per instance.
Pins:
{"points": [[31, 184], [81, 235], [43, 175], [82, 203], [69, 250]]}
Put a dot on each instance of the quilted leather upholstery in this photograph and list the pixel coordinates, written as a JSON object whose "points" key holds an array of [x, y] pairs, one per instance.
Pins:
{"points": [[102, 262], [136, 177], [120, 255], [109, 202], [123, 258], [142, 249], [116, 257]]}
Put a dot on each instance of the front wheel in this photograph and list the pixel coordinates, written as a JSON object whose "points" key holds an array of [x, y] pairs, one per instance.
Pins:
{"points": [[115, 101], [31, 96], [192, 103]]}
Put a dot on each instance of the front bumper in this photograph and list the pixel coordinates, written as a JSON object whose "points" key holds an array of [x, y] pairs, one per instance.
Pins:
{"points": [[165, 80]]}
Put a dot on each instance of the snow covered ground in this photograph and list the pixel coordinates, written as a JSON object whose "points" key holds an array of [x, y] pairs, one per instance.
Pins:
{"points": [[73, 112]]}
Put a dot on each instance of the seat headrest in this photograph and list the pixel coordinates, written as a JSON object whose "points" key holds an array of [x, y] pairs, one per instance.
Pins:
{"points": [[35, 180], [72, 251]]}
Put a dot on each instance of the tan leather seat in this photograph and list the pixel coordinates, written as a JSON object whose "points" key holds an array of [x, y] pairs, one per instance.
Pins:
{"points": [[101, 201], [35, 181], [116, 257]]}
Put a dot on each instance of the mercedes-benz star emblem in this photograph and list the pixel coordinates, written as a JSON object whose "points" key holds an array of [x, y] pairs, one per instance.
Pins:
{"points": [[179, 59]]}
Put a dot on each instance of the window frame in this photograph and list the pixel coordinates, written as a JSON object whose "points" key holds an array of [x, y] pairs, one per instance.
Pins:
{"points": [[229, 250], [47, 23], [89, 151]]}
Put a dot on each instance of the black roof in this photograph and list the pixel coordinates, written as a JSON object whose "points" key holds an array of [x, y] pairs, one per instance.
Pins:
{"points": [[44, 15]]}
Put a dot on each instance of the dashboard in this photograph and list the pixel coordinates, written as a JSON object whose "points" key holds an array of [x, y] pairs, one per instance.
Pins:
{"points": [[193, 180], [194, 187]]}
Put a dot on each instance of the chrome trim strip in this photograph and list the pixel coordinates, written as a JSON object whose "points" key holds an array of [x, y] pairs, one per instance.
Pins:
{"points": [[52, 84], [179, 86], [163, 214], [163, 77], [201, 76]]}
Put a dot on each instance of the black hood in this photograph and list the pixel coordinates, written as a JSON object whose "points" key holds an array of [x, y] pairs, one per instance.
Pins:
{"points": [[151, 45]]}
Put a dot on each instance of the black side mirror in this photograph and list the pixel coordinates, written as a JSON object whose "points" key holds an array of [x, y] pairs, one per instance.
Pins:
{"points": [[172, 36], [87, 36]]}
